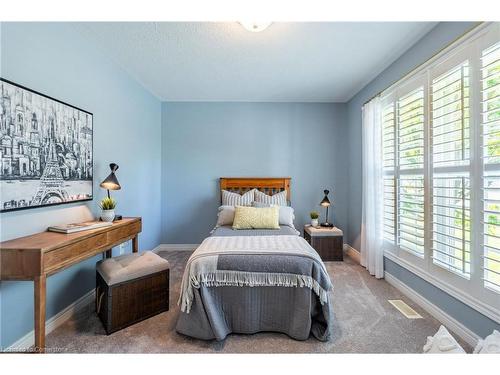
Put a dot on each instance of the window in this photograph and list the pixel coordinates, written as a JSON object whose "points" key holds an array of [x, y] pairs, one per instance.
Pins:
{"points": [[403, 124], [450, 170], [388, 150], [441, 170], [490, 120], [410, 118]]}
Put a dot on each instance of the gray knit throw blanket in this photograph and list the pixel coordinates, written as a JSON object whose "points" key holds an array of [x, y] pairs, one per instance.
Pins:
{"points": [[287, 261]]}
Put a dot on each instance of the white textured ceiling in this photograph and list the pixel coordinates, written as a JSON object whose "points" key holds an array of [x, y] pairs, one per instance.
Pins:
{"points": [[214, 61]]}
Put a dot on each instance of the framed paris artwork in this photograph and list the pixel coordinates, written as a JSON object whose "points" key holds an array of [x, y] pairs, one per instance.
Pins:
{"points": [[46, 150]]}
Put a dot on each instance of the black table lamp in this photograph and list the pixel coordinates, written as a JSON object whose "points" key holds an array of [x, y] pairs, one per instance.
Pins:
{"points": [[111, 183], [326, 203]]}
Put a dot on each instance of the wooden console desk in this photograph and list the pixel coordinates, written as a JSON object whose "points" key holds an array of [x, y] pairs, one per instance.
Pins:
{"points": [[43, 254]]}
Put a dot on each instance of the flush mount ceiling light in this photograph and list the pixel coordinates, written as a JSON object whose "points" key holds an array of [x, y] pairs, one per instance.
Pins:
{"points": [[255, 27]]}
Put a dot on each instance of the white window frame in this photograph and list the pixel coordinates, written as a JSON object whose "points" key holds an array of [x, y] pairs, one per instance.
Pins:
{"points": [[470, 291]]}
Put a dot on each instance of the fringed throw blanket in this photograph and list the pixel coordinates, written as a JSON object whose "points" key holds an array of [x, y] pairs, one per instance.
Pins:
{"points": [[287, 261]]}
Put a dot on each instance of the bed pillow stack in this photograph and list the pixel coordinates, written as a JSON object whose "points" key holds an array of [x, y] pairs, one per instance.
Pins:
{"points": [[256, 199]]}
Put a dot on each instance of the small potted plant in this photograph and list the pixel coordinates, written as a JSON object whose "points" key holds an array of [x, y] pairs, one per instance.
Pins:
{"points": [[107, 209], [314, 218]]}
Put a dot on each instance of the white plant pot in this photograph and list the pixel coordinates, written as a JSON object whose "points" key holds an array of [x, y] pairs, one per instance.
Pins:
{"points": [[314, 222], [107, 215]]}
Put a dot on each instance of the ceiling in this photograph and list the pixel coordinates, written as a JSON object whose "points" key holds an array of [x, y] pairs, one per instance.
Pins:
{"points": [[287, 62]]}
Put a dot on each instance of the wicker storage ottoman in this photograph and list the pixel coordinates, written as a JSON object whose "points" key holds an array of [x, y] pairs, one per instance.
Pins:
{"points": [[131, 288]]}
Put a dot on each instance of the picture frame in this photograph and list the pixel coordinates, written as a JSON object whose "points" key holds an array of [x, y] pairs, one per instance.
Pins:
{"points": [[46, 150]]}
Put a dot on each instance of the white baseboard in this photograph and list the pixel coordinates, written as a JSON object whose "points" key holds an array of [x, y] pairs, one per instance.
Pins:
{"points": [[451, 323], [51, 324], [353, 253], [175, 247]]}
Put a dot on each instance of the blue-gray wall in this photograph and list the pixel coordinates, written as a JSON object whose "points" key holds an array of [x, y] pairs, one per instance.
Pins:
{"points": [[205, 141], [438, 38], [55, 59]]}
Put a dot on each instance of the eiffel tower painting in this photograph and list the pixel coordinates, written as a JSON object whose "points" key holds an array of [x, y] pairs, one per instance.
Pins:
{"points": [[46, 154], [51, 189]]}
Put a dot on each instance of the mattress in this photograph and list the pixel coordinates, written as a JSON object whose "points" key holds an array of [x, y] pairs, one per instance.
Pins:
{"points": [[227, 230], [218, 310]]}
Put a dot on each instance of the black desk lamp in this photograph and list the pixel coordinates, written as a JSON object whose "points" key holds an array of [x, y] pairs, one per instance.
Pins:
{"points": [[111, 183], [326, 203]]}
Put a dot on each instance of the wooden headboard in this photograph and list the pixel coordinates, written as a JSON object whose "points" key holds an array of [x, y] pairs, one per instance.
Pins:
{"points": [[268, 185]]}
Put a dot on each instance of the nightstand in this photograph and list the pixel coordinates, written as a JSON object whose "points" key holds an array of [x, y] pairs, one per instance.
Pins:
{"points": [[328, 242]]}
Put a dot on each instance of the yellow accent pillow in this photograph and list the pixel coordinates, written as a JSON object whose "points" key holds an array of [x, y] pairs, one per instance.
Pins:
{"points": [[256, 218]]}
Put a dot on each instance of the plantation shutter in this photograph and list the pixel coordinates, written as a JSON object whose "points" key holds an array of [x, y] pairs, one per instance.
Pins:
{"points": [[450, 144], [441, 170], [388, 150], [410, 187], [490, 120]]}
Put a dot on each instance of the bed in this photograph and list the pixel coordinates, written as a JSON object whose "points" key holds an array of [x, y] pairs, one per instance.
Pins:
{"points": [[249, 281]]}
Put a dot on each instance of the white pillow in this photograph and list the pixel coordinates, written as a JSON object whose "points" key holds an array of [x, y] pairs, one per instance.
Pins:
{"points": [[226, 215], [442, 342], [278, 199], [287, 216], [234, 199], [490, 345]]}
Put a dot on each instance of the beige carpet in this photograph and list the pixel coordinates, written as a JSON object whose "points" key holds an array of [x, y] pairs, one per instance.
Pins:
{"points": [[364, 323]]}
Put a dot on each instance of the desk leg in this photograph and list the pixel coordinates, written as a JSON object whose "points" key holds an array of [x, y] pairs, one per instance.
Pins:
{"points": [[40, 283], [135, 244], [109, 253]]}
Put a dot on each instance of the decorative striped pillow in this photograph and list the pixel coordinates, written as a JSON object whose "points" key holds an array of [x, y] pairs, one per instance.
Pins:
{"points": [[278, 199], [235, 199]]}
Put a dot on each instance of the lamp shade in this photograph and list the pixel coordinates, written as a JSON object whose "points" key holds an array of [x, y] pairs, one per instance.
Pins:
{"points": [[325, 202], [111, 182]]}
